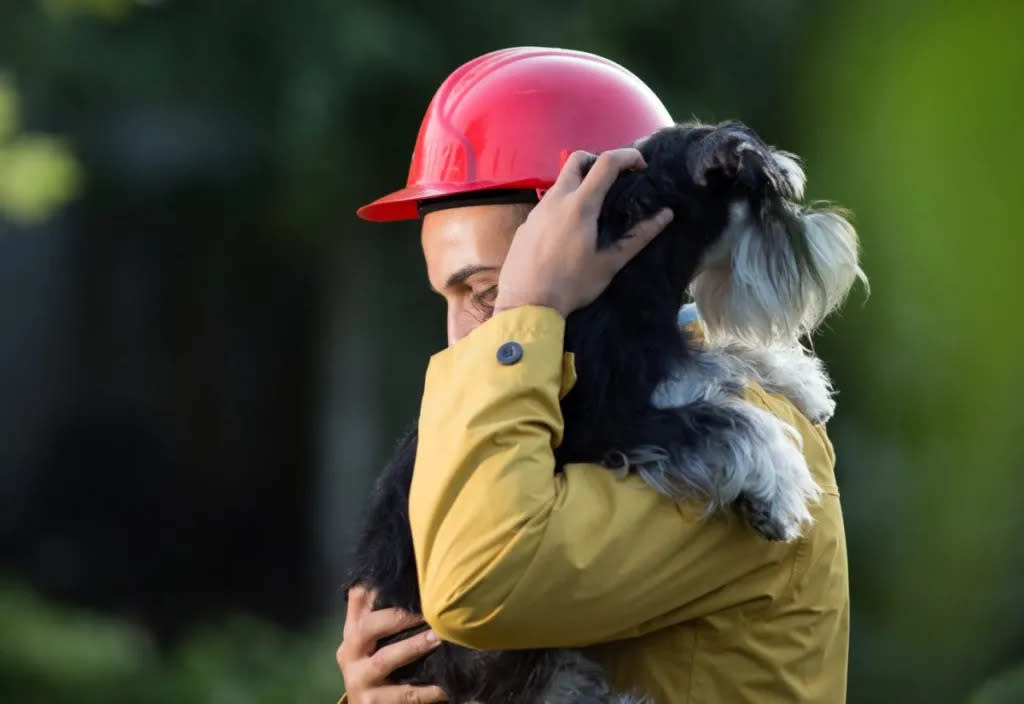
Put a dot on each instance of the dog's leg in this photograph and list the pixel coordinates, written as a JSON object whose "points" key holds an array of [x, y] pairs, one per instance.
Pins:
{"points": [[727, 451], [708, 444], [789, 370], [779, 486]]}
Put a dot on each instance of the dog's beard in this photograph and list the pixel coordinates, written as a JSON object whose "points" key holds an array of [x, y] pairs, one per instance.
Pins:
{"points": [[777, 273]]}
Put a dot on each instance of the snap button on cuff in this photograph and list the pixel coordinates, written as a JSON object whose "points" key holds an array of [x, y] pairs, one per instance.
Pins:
{"points": [[510, 353]]}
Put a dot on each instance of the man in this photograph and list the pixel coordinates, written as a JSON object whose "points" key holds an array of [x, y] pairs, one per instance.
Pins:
{"points": [[509, 553]]}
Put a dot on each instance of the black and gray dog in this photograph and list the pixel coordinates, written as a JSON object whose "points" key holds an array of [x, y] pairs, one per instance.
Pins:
{"points": [[764, 271]]}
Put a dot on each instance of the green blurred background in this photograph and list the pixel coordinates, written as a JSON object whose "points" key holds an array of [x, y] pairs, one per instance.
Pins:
{"points": [[205, 356]]}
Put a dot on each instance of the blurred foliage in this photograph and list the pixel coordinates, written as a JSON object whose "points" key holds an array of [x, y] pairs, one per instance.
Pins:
{"points": [[915, 109], [38, 173], [8, 108], [104, 9], [1007, 688], [52, 654]]}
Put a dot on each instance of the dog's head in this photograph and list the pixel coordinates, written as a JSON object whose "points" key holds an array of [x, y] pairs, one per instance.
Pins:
{"points": [[761, 266]]}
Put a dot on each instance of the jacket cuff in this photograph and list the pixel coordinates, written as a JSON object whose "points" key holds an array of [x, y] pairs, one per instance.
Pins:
{"points": [[518, 346], [527, 322]]}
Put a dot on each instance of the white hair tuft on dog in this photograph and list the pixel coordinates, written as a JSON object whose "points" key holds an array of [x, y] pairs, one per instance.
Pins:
{"points": [[789, 166], [776, 277], [788, 370]]}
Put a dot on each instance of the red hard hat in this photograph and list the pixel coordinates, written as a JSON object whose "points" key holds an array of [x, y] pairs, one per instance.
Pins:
{"points": [[508, 119]]}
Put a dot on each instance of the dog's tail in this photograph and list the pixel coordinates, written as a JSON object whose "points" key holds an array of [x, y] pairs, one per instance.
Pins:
{"points": [[781, 266]]}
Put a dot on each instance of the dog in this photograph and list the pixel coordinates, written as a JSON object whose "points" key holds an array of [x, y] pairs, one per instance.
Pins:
{"points": [[764, 271]]}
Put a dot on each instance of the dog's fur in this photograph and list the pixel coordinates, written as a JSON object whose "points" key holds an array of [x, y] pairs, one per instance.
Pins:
{"points": [[764, 271]]}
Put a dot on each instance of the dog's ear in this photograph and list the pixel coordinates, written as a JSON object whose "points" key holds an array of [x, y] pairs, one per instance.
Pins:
{"points": [[732, 154], [780, 267]]}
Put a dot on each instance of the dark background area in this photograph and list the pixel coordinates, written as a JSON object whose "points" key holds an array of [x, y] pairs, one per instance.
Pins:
{"points": [[205, 357]]}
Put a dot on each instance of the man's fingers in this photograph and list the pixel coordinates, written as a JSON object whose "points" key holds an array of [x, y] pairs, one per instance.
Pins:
{"points": [[607, 168], [360, 599], [571, 175], [393, 656], [407, 694], [387, 622], [638, 237], [425, 695], [357, 600]]}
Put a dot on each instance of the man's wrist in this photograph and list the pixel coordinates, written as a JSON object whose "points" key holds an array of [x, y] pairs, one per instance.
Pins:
{"points": [[512, 300]]}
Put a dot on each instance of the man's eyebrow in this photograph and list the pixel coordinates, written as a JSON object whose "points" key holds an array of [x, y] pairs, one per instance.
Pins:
{"points": [[460, 276]]}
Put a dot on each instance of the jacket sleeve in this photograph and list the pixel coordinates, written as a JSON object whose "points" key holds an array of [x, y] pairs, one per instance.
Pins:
{"points": [[511, 554]]}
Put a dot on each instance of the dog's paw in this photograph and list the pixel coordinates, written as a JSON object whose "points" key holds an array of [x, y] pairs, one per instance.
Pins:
{"points": [[776, 505], [770, 524]]}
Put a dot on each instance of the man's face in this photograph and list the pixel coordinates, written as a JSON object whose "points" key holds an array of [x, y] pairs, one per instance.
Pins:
{"points": [[464, 249]]}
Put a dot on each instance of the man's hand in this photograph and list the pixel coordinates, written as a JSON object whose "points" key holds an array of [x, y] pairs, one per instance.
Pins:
{"points": [[365, 669], [553, 260]]}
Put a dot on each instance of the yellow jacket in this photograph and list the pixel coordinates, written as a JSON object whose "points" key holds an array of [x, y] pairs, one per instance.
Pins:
{"points": [[512, 555]]}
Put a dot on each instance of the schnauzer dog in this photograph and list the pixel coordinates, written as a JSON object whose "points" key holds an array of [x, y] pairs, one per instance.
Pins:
{"points": [[764, 271]]}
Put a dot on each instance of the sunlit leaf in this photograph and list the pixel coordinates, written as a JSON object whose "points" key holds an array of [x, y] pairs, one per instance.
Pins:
{"points": [[38, 174]]}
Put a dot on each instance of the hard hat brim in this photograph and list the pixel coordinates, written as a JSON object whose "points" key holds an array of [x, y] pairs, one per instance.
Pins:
{"points": [[402, 204]]}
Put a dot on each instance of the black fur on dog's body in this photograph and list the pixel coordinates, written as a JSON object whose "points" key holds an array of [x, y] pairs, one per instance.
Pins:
{"points": [[650, 401]]}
